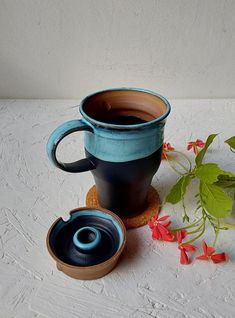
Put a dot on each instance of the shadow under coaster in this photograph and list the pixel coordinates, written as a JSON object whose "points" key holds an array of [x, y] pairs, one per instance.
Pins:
{"points": [[133, 221]]}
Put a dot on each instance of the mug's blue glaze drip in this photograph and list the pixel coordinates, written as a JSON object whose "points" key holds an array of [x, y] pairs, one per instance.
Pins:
{"points": [[124, 145], [109, 144]]}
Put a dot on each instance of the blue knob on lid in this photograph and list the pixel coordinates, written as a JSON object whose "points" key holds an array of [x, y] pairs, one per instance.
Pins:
{"points": [[87, 238]]}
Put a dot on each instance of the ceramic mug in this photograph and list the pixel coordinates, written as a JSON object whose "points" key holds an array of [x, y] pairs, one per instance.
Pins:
{"points": [[124, 131]]}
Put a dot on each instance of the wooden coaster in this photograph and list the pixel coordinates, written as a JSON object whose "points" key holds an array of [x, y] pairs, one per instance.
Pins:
{"points": [[153, 206]]}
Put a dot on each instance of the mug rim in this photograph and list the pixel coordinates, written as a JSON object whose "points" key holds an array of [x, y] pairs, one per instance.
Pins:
{"points": [[124, 127]]}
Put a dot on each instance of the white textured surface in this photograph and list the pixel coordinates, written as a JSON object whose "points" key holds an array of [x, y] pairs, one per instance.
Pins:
{"points": [[69, 48], [148, 281]]}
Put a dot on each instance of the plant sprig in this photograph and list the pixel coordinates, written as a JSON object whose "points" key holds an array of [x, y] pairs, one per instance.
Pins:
{"points": [[213, 202]]}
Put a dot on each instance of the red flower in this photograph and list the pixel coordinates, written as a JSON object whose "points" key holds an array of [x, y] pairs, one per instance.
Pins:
{"points": [[166, 147], [194, 145], [184, 247], [209, 254], [181, 235], [160, 230]]}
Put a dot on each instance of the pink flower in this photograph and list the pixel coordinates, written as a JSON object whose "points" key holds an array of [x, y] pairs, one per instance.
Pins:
{"points": [[184, 247], [166, 147], [194, 145], [160, 231], [209, 254]]}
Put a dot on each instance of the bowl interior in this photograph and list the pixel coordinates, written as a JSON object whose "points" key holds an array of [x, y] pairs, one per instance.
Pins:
{"points": [[61, 238], [124, 107]]}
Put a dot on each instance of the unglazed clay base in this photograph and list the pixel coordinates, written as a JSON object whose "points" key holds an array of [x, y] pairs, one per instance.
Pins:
{"points": [[89, 244], [153, 206]]}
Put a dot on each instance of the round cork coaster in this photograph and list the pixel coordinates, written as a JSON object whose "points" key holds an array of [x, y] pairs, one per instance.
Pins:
{"points": [[134, 221]]}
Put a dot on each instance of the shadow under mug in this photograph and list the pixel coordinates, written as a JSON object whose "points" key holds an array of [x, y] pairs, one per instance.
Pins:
{"points": [[124, 131]]}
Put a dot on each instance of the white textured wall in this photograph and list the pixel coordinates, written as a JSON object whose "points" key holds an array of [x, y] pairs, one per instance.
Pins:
{"points": [[59, 48]]}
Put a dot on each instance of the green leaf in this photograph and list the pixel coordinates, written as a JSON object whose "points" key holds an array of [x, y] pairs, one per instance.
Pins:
{"points": [[201, 154], [226, 181], [215, 201], [231, 142], [209, 172], [177, 192]]}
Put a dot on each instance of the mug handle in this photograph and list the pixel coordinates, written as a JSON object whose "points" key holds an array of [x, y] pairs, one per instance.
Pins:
{"points": [[60, 133]]}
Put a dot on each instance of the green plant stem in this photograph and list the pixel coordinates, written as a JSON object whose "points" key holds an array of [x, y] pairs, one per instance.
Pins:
{"points": [[184, 207], [187, 159], [182, 166], [172, 167], [216, 233], [197, 208], [197, 237], [185, 215], [228, 225], [188, 226], [197, 230], [195, 149]]}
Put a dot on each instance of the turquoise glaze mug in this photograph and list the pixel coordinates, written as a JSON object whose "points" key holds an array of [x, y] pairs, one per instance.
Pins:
{"points": [[124, 131]]}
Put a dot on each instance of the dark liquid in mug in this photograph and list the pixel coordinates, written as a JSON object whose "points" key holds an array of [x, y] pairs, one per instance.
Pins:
{"points": [[124, 120]]}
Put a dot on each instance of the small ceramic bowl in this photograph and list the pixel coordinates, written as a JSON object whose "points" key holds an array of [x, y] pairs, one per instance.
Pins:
{"points": [[89, 244]]}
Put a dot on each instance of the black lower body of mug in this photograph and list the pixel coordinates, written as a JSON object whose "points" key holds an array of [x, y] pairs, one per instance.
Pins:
{"points": [[122, 187]]}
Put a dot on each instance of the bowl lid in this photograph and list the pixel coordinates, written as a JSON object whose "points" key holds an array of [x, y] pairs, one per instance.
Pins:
{"points": [[88, 238]]}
